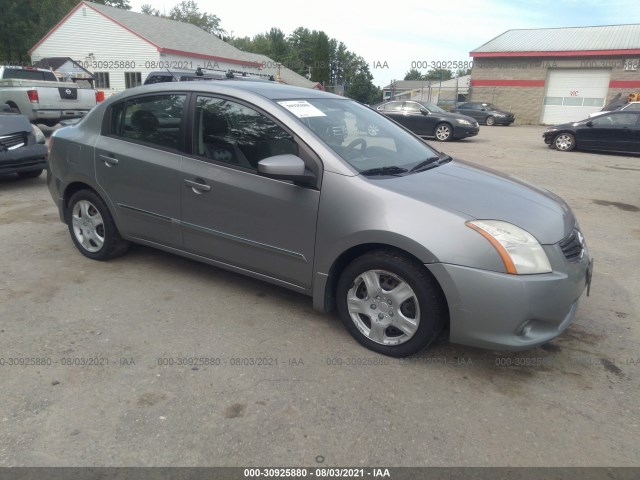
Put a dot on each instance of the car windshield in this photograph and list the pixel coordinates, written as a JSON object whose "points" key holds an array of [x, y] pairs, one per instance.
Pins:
{"points": [[365, 139], [490, 106]]}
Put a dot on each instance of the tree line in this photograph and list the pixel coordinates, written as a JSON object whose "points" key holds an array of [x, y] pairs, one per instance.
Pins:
{"points": [[313, 54]]}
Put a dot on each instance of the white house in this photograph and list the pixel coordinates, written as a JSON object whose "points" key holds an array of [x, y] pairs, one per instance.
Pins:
{"points": [[121, 47]]}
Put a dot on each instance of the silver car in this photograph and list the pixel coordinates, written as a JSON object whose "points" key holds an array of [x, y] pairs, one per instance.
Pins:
{"points": [[277, 183]]}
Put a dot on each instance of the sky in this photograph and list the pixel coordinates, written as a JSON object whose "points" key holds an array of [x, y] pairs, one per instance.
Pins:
{"points": [[394, 37]]}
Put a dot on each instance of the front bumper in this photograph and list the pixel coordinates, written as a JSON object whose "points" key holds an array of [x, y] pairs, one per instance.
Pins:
{"points": [[500, 311], [24, 159], [464, 131], [504, 121]]}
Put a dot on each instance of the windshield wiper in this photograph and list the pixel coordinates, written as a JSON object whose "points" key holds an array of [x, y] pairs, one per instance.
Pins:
{"points": [[384, 171], [431, 163]]}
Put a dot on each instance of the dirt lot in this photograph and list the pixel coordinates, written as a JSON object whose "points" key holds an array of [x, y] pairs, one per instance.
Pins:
{"points": [[268, 381]]}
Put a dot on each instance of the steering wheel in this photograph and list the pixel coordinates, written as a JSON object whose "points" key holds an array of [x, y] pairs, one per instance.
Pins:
{"points": [[358, 141]]}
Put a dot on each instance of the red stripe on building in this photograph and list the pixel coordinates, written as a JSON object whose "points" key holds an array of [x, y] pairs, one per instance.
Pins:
{"points": [[624, 84], [507, 83], [573, 53]]}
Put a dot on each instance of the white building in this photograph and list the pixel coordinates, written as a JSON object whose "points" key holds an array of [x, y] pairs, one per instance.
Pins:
{"points": [[121, 47], [446, 92]]}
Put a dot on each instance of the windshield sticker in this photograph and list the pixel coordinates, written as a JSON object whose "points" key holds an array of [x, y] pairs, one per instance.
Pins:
{"points": [[302, 108]]}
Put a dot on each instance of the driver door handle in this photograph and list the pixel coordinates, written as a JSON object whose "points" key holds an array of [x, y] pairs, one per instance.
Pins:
{"points": [[198, 187], [109, 160]]}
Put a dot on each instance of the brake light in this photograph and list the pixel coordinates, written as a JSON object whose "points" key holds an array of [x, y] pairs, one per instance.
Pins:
{"points": [[33, 96], [99, 96]]}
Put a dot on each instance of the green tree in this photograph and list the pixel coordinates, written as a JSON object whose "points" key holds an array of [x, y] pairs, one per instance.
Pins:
{"points": [[148, 9], [321, 59], [462, 72], [305, 51], [188, 11], [414, 74], [123, 4], [438, 74]]}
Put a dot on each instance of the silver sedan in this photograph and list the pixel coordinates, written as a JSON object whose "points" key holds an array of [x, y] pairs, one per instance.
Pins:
{"points": [[279, 184]]}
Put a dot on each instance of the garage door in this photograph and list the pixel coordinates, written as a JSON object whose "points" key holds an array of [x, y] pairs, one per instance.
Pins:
{"points": [[572, 94]]}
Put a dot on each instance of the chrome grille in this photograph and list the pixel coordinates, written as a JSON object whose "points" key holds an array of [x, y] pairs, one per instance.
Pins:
{"points": [[572, 246], [13, 141]]}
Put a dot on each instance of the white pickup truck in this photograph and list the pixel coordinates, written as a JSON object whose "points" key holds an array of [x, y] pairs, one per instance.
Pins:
{"points": [[37, 94]]}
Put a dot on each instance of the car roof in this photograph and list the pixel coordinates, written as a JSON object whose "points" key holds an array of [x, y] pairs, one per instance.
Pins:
{"points": [[269, 90]]}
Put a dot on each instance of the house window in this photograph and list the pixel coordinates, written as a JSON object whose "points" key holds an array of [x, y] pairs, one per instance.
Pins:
{"points": [[102, 80], [132, 79]]}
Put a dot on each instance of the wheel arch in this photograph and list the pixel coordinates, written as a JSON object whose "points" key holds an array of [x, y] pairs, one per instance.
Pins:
{"points": [[328, 300], [77, 185]]}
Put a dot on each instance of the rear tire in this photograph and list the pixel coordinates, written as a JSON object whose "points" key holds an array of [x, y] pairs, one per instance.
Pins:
{"points": [[92, 228], [30, 173], [390, 304]]}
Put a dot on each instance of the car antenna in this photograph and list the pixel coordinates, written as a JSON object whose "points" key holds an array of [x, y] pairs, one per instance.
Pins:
{"points": [[174, 77]]}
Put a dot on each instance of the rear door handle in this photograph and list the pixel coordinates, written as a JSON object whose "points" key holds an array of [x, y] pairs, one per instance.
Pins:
{"points": [[198, 187], [109, 160]]}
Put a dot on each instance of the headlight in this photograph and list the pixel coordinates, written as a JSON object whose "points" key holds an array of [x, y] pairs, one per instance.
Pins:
{"points": [[463, 121], [38, 134], [521, 253]]}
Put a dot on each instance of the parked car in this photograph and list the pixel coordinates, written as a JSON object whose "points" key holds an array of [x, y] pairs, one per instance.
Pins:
{"points": [[631, 107], [37, 94], [22, 145], [401, 239], [424, 119], [485, 113], [610, 132]]}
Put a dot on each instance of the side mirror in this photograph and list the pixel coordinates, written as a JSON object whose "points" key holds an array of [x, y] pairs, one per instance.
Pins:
{"points": [[4, 107], [589, 123], [424, 111], [286, 167]]}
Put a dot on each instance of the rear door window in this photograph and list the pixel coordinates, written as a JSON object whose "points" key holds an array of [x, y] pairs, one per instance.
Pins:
{"points": [[152, 119]]}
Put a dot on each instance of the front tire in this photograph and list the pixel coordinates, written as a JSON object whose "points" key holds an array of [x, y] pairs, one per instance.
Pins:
{"points": [[491, 121], [443, 132], [390, 304], [92, 228], [30, 174], [565, 142]]}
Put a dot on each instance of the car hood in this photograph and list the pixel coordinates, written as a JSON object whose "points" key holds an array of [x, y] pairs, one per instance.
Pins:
{"points": [[486, 194], [12, 123], [456, 115], [568, 125]]}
